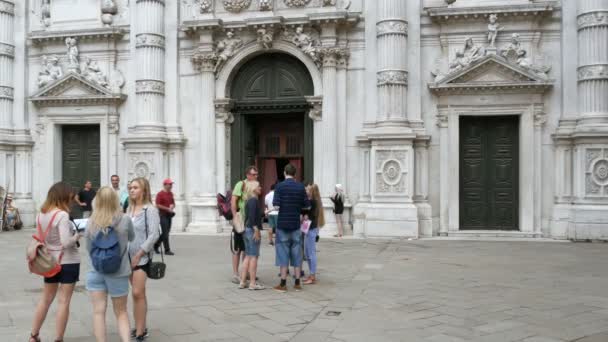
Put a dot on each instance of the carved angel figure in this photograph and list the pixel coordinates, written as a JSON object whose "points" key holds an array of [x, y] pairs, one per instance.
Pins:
{"points": [[305, 43], [72, 54], [493, 29], [50, 72], [92, 72], [469, 54], [226, 49], [265, 37]]}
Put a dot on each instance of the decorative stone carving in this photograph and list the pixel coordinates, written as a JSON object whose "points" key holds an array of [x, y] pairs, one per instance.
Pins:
{"points": [[117, 82], [493, 29], [92, 72], [593, 72], [72, 54], [150, 86], [45, 13], [6, 92], [236, 5], [205, 6], [539, 70], [316, 107], [296, 3], [108, 10], [113, 126], [591, 19], [7, 7], [392, 77], [391, 27], [7, 50], [469, 54], [596, 178], [390, 171], [305, 42], [142, 170], [51, 71], [513, 51], [204, 61], [442, 120], [265, 5], [265, 37], [226, 49], [329, 2], [150, 40]]}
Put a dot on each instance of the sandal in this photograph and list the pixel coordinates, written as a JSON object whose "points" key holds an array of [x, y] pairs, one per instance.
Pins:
{"points": [[242, 286], [257, 287], [36, 337]]}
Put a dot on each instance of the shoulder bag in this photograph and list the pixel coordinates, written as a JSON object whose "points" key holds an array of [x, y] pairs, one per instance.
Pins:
{"points": [[156, 270]]}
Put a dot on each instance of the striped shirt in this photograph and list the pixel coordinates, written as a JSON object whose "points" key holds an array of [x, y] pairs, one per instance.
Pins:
{"points": [[290, 196]]}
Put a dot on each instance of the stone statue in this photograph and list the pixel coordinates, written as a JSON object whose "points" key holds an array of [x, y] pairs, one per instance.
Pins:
{"points": [[526, 63], [73, 64], [226, 49], [265, 37], [469, 54], [305, 43], [51, 71], [513, 51], [92, 72], [493, 29]]}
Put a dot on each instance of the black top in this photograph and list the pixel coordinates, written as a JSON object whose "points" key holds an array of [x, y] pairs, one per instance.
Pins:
{"points": [[313, 214], [254, 213], [87, 197], [338, 204]]}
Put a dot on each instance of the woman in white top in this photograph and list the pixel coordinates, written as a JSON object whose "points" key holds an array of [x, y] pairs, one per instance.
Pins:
{"points": [[146, 224], [61, 242]]}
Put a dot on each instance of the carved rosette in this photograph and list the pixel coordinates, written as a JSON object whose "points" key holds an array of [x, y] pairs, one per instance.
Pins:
{"points": [[204, 61], [7, 50], [592, 19], [593, 72], [150, 86], [596, 177], [205, 6], [391, 27], [141, 165], [296, 3], [236, 6], [391, 171], [150, 40], [392, 78]]}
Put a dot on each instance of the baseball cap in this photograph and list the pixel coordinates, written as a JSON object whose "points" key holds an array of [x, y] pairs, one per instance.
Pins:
{"points": [[167, 181]]}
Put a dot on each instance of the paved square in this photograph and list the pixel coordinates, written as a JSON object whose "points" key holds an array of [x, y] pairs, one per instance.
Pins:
{"points": [[374, 290]]}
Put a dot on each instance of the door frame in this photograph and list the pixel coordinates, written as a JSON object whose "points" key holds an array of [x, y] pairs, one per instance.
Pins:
{"points": [[531, 118]]}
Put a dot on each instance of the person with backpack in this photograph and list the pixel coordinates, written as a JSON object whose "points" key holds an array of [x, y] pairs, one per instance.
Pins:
{"points": [[108, 234], [237, 205], [146, 224], [56, 237]]}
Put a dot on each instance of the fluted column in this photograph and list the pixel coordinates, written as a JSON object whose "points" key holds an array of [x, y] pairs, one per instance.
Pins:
{"points": [[592, 27], [223, 116], [341, 117], [391, 31], [7, 56], [150, 64], [329, 122]]}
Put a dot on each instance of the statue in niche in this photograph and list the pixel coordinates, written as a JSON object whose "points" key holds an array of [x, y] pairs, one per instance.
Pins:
{"points": [[469, 54], [71, 44], [51, 71], [305, 43], [92, 72], [226, 49], [265, 37], [493, 29]]}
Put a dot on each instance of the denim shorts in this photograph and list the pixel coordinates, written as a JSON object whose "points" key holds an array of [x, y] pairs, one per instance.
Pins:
{"points": [[114, 286], [252, 248], [272, 222], [288, 248]]}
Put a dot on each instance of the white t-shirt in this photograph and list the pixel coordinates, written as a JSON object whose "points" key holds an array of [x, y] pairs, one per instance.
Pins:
{"points": [[268, 200]]}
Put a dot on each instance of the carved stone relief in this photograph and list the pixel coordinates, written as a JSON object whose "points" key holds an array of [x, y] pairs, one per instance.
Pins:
{"points": [[308, 42], [141, 165], [391, 27], [296, 3], [596, 177], [392, 77], [391, 171], [265, 37], [72, 54], [226, 48], [91, 71], [265, 5], [236, 6], [50, 72], [205, 6]]}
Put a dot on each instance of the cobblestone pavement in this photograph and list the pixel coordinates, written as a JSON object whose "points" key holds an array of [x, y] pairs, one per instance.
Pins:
{"points": [[375, 290]]}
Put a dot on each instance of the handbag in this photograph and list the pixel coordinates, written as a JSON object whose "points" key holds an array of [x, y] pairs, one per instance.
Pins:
{"points": [[156, 270], [40, 260]]}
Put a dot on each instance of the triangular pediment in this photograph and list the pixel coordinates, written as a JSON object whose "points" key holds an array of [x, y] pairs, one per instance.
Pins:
{"points": [[74, 89], [490, 73]]}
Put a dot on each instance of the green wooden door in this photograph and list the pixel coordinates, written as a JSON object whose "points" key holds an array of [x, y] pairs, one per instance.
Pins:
{"points": [[80, 154], [489, 170]]}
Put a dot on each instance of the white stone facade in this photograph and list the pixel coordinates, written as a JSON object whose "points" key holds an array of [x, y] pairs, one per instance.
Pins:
{"points": [[392, 80]]}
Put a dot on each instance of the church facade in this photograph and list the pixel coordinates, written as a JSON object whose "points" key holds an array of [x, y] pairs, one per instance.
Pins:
{"points": [[438, 118]]}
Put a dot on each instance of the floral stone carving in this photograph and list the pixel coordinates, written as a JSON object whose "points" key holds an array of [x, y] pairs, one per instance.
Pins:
{"points": [[390, 173], [296, 3], [596, 182], [236, 5]]}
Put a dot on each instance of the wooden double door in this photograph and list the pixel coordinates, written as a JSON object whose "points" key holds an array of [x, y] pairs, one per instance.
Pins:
{"points": [[489, 173], [81, 155]]}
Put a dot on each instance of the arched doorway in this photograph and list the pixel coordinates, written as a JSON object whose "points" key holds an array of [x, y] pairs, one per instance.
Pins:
{"points": [[271, 127]]}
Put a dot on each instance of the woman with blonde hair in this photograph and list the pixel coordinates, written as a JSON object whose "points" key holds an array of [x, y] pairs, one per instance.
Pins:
{"points": [[252, 235], [109, 223], [61, 242], [317, 220], [146, 224]]}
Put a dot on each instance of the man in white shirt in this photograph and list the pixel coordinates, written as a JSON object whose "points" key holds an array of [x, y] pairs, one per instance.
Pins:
{"points": [[271, 213], [123, 194]]}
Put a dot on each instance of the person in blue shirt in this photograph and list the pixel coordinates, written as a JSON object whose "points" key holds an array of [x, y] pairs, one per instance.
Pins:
{"points": [[290, 199]]}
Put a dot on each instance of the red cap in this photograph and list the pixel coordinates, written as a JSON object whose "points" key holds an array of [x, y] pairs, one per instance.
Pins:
{"points": [[167, 181]]}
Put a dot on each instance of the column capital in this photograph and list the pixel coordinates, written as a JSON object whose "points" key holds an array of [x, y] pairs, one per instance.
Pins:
{"points": [[591, 19], [334, 56], [7, 7], [204, 61]]}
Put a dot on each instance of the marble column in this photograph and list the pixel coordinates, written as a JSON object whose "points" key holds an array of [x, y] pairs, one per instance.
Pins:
{"points": [[342, 117], [223, 116], [7, 57], [391, 32], [329, 123], [150, 65]]}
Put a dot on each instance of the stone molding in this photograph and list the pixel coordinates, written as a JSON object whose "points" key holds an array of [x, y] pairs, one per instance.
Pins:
{"points": [[162, 2], [296, 3], [236, 6], [391, 27], [7, 50], [150, 40], [597, 18], [7, 7], [149, 86], [6, 92], [57, 93], [110, 33], [593, 72], [392, 78], [482, 13]]}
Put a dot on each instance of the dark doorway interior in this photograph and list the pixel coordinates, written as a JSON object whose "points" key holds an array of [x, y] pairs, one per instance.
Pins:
{"points": [[80, 155]]}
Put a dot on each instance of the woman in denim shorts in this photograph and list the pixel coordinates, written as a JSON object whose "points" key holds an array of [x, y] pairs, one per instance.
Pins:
{"points": [[108, 213], [252, 235]]}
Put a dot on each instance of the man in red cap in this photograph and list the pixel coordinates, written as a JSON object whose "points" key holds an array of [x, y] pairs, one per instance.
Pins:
{"points": [[166, 207]]}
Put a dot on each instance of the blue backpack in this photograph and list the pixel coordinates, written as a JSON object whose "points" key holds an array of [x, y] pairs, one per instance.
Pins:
{"points": [[105, 252]]}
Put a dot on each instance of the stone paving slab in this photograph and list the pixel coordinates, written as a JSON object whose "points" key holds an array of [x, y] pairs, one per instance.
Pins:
{"points": [[374, 290]]}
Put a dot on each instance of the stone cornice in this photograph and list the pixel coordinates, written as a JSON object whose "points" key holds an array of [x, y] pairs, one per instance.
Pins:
{"points": [[111, 33], [444, 13], [491, 88], [55, 93]]}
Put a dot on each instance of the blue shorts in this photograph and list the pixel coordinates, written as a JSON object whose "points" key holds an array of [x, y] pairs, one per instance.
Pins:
{"points": [[114, 286], [252, 248], [288, 248]]}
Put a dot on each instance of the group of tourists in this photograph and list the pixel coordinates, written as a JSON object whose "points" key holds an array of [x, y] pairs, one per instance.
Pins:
{"points": [[120, 241], [295, 215]]}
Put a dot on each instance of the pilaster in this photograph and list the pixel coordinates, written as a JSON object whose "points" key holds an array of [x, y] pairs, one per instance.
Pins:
{"points": [[7, 57]]}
